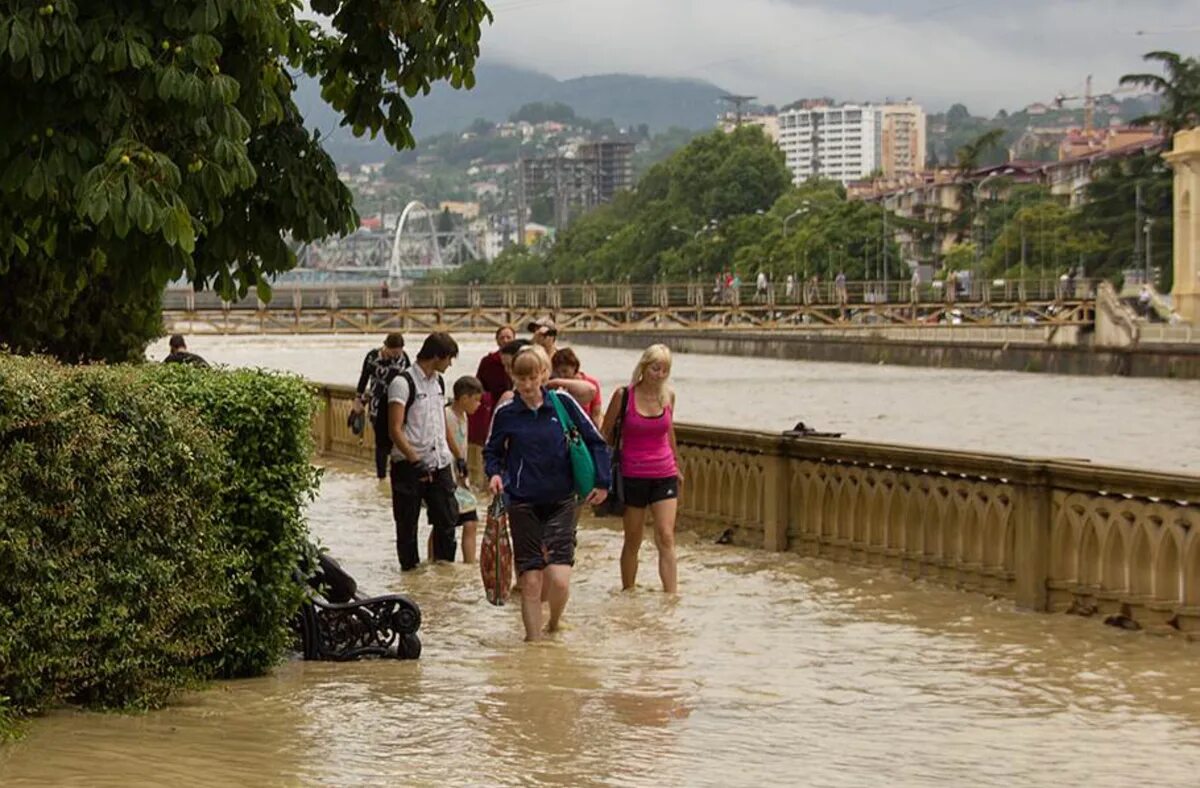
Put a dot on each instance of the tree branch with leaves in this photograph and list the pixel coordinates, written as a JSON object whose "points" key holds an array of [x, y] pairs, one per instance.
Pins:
{"points": [[153, 140]]}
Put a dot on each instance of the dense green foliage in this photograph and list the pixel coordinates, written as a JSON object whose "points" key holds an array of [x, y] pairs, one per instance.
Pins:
{"points": [[150, 518], [542, 111], [1111, 213], [716, 183], [265, 421], [150, 140], [723, 203], [116, 561]]}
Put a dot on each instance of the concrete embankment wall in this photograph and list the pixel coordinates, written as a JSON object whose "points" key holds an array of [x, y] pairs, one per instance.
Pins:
{"points": [[1150, 361]]}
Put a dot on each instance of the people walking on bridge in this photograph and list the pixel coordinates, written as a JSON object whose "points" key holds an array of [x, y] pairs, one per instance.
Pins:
{"points": [[493, 375], [528, 461], [640, 421], [761, 284], [379, 368], [841, 296], [789, 287], [179, 353], [423, 454]]}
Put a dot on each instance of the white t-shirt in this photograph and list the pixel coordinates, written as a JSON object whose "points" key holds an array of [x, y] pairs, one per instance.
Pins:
{"points": [[425, 422]]}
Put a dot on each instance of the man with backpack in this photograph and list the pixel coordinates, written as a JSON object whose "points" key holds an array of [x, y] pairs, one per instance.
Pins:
{"points": [[423, 452], [379, 368]]}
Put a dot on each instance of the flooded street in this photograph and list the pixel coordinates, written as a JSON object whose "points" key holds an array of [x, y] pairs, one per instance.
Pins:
{"points": [[767, 669], [1116, 421]]}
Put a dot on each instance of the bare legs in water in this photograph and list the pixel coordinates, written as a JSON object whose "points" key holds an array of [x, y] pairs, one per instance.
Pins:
{"points": [[664, 540], [552, 584]]}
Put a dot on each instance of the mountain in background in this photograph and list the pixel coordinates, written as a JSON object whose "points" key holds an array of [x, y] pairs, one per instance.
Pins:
{"points": [[500, 90]]}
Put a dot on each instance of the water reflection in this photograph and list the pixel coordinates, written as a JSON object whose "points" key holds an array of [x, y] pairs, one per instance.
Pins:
{"points": [[767, 670]]}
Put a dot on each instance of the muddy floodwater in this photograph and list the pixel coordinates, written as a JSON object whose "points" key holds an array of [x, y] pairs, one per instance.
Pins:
{"points": [[767, 669], [1137, 422]]}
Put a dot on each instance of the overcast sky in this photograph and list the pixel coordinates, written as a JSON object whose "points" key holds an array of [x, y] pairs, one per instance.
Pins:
{"points": [[988, 54]]}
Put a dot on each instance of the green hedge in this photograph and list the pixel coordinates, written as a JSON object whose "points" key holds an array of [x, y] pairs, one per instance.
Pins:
{"points": [[150, 517], [265, 420]]}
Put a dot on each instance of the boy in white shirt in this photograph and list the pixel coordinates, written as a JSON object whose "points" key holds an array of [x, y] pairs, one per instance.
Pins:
{"points": [[468, 395]]}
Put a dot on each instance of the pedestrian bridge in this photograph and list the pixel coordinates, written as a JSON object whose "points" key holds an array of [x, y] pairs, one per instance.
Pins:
{"points": [[1049, 535], [688, 306]]}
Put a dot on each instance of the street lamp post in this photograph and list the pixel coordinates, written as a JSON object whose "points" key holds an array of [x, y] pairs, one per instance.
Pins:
{"points": [[1149, 224], [978, 273]]}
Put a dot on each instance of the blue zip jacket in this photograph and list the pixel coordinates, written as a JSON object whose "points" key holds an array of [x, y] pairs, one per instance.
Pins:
{"points": [[528, 450]]}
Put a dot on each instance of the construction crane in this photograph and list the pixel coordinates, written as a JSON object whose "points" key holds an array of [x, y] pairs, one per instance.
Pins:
{"points": [[1089, 102], [1089, 105]]}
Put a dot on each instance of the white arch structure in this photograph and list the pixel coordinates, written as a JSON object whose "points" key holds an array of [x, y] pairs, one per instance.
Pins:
{"points": [[396, 264]]}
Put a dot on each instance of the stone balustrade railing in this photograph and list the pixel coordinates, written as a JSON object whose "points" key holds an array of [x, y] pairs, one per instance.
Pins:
{"points": [[1050, 535]]}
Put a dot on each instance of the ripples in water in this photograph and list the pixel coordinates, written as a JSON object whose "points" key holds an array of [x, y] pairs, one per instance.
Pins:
{"points": [[767, 669]]}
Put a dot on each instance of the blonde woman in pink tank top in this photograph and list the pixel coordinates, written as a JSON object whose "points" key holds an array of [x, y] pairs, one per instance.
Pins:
{"points": [[650, 477]]}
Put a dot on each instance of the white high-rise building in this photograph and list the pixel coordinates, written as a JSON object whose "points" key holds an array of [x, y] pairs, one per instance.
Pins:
{"points": [[841, 143]]}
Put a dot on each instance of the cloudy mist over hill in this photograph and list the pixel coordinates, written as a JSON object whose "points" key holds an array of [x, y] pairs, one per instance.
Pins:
{"points": [[501, 89]]}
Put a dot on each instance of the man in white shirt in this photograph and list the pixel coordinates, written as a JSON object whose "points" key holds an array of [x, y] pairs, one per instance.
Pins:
{"points": [[423, 452]]}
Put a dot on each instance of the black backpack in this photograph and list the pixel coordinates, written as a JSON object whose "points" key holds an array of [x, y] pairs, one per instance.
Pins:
{"points": [[379, 404]]}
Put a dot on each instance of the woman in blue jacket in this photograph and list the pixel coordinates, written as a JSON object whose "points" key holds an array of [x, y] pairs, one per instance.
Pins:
{"points": [[527, 460]]}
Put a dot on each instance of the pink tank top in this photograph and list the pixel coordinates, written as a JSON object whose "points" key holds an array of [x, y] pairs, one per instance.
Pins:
{"points": [[646, 445]]}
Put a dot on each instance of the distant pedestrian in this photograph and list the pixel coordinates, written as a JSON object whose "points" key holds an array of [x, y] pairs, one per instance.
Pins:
{"points": [[839, 288], [761, 284], [422, 455], [545, 335], [179, 353], [385, 291], [380, 367], [915, 285], [789, 287]]}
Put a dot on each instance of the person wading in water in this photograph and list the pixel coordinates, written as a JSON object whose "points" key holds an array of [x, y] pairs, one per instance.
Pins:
{"points": [[649, 467], [528, 461]]}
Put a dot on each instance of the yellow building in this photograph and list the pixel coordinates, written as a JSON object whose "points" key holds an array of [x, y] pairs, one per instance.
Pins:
{"points": [[902, 140], [467, 210], [1184, 158]]}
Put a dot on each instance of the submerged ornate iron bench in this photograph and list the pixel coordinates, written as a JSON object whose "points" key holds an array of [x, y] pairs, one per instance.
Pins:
{"points": [[336, 623]]}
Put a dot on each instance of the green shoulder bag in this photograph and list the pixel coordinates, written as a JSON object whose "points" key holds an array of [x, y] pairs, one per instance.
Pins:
{"points": [[583, 467]]}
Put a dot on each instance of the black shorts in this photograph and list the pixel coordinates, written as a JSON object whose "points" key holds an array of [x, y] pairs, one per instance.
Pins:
{"points": [[640, 493], [543, 533], [467, 517]]}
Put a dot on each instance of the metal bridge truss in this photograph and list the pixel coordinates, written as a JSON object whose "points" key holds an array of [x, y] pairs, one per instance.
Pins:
{"points": [[602, 307], [413, 250]]}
